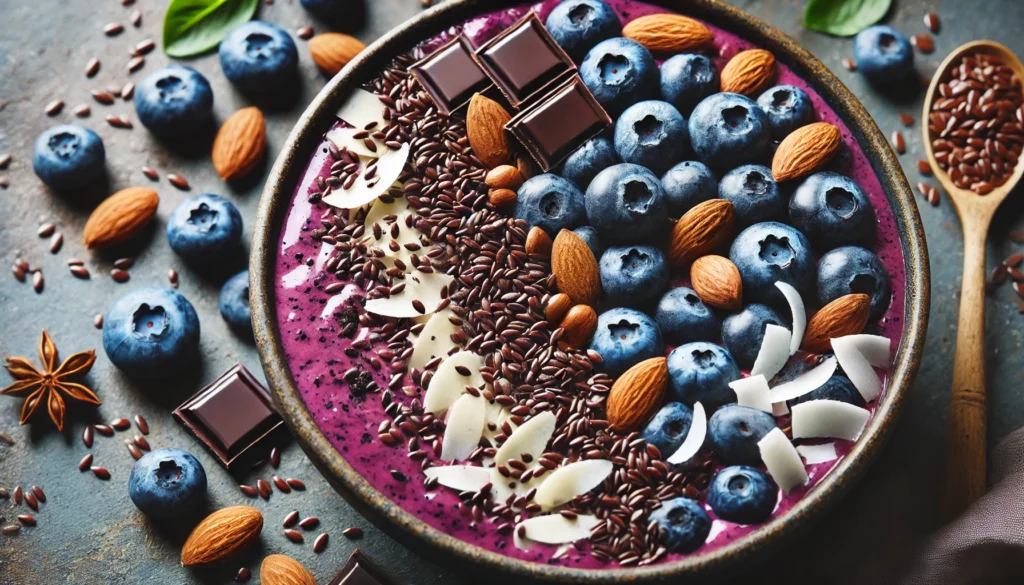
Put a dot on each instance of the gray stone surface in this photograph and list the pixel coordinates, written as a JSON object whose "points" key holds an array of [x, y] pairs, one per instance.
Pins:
{"points": [[90, 533]]}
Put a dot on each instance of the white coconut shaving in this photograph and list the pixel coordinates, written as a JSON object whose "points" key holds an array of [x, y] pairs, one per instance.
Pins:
{"points": [[774, 352], [828, 419], [799, 313], [694, 438], [753, 392]]}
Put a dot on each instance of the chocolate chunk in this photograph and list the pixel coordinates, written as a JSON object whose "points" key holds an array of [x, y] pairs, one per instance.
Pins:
{"points": [[360, 570], [450, 75]]}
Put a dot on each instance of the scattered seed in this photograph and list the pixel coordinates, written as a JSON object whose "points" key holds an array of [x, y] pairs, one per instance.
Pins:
{"points": [[113, 28], [120, 424], [923, 167], [849, 64], [92, 67], [11, 529], [103, 97], [243, 575], [87, 433], [931, 20], [296, 484], [82, 111], [304, 33], [104, 430], [27, 519], [309, 523], [294, 535], [320, 544], [119, 122], [120, 276], [128, 91], [898, 142], [291, 519], [53, 108], [97, 321], [1014, 261], [37, 281], [178, 181], [135, 63], [5, 160], [281, 485], [264, 489], [56, 242], [85, 463], [100, 472], [144, 46], [124, 263], [275, 457], [142, 425], [39, 493], [136, 18], [142, 442], [79, 271], [924, 42], [136, 453], [150, 173], [31, 501], [18, 495], [46, 230], [907, 120], [352, 533], [4, 493], [5, 438], [248, 490]]}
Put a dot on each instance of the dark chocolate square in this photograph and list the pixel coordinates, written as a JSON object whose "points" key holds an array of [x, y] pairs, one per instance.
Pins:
{"points": [[450, 75], [552, 128], [230, 415], [524, 61], [360, 570]]}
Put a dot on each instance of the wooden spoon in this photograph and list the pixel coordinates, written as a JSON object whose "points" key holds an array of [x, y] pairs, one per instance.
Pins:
{"points": [[965, 467]]}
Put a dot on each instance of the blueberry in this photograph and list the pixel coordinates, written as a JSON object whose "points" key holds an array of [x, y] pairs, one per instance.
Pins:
{"points": [[742, 494], [204, 228], [578, 25], [167, 483], [587, 161], [734, 430], [259, 58], [174, 102], [769, 252], [727, 130], [754, 194], [701, 371], [651, 134], [683, 523], [68, 156], [589, 235], [669, 427], [684, 318], [787, 107], [687, 184], [332, 11], [626, 203], [854, 270], [151, 333], [743, 332], [234, 302], [883, 54], [620, 72], [832, 211], [624, 338], [838, 388], [551, 202], [631, 276], [687, 79]]}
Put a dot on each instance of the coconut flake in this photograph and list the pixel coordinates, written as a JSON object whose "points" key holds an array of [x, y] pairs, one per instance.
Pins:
{"points": [[828, 419], [423, 287], [569, 481], [344, 139], [774, 352], [557, 529], [448, 384], [857, 368], [814, 454], [779, 409], [463, 428], [806, 382], [389, 167], [694, 438], [531, 437], [463, 478], [362, 108], [406, 235], [799, 312], [782, 460], [435, 339], [753, 392], [875, 348]]}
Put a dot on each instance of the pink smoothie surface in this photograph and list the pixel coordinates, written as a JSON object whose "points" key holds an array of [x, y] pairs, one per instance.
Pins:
{"points": [[316, 355]]}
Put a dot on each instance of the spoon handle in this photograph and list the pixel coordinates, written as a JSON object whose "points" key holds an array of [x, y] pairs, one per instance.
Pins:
{"points": [[965, 466]]}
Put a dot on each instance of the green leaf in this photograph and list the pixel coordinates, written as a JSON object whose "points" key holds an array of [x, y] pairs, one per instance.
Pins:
{"points": [[844, 18], [192, 27]]}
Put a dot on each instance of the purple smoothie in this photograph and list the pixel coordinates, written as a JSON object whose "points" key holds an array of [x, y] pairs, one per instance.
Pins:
{"points": [[315, 353]]}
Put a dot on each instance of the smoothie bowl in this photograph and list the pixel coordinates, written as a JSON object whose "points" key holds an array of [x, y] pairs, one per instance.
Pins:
{"points": [[589, 291]]}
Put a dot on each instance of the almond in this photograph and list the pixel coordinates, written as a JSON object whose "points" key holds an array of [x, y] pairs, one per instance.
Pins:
{"points": [[558, 306], [240, 143], [221, 535], [284, 570], [120, 217], [748, 72], [637, 394], [504, 177], [717, 282], [485, 126], [668, 33], [527, 167], [805, 150], [578, 326], [503, 199], [538, 243], [575, 268], [700, 230], [846, 315], [332, 51]]}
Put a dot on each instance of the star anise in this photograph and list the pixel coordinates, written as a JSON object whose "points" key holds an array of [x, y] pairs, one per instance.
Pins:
{"points": [[50, 385]]}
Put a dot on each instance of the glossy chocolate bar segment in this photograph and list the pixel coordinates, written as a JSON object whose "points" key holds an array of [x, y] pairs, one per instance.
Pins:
{"points": [[450, 75], [554, 127], [360, 570], [524, 61]]}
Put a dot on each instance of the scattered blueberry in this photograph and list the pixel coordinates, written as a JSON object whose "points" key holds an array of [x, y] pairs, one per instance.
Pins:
{"points": [[687, 79], [701, 371], [669, 427], [743, 332], [651, 134], [203, 228], [624, 338], [631, 276], [742, 494], [883, 54], [684, 318], [151, 332], [626, 203], [259, 58], [589, 235], [332, 11], [832, 211], [68, 156], [588, 160], [174, 102], [734, 430], [683, 522], [787, 107], [838, 388], [620, 72], [551, 202], [852, 270], [727, 130], [769, 252], [754, 194], [167, 483], [578, 25], [687, 184], [234, 302]]}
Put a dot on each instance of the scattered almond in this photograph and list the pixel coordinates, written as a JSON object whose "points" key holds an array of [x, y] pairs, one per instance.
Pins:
{"points": [[558, 306], [239, 144], [575, 268], [717, 282], [503, 199], [846, 315], [805, 150], [637, 394], [748, 72], [221, 535], [284, 570], [579, 325], [700, 230], [485, 126], [120, 217], [504, 177], [332, 51], [538, 243], [668, 33]]}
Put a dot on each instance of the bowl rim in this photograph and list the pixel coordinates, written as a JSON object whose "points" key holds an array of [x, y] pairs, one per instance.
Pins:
{"points": [[404, 526]]}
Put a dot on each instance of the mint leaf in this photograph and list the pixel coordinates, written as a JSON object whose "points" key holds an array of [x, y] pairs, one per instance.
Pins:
{"points": [[844, 18], [192, 27]]}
